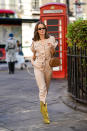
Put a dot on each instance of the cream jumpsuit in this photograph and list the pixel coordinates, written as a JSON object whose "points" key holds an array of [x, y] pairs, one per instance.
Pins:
{"points": [[42, 70]]}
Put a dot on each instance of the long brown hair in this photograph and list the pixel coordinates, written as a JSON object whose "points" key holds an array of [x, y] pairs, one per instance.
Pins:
{"points": [[36, 35]]}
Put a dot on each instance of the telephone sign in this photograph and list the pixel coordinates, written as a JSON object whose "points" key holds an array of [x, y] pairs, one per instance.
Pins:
{"points": [[52, 11]]}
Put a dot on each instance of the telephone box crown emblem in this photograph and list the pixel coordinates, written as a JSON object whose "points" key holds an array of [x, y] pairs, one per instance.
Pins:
{"points": [[52, 7]]}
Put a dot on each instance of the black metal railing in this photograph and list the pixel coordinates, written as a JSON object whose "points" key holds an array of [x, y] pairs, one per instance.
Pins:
{"points": [[77, 73]]}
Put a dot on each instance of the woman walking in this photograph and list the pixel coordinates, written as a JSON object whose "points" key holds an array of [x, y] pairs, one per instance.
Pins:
{"points": [[43, 46], [11, 49]]}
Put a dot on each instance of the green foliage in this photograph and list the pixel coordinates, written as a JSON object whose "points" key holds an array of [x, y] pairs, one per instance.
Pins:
{"points": [[77, 33]]}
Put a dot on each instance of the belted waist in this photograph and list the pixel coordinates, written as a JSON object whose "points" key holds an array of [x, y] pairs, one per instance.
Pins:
{"points": [[47, 58], [42, 58]]}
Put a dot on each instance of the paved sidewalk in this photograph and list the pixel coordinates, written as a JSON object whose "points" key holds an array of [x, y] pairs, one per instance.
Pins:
{"points": [[20, 108], [3, 66]]}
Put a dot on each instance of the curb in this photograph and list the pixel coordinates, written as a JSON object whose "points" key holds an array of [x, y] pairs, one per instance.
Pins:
{"points": [[69, 101]]}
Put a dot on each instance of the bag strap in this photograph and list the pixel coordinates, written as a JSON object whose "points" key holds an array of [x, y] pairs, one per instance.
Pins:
{"points": [[52, 51]]}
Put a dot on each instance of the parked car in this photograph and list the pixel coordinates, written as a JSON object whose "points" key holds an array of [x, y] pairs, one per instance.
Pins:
{"points": [[4, 13], [2, 53]]}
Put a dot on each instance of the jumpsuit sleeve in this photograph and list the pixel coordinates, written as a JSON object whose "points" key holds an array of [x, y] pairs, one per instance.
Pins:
{"points": [[32, 47], [54, 42], [34, 53]]}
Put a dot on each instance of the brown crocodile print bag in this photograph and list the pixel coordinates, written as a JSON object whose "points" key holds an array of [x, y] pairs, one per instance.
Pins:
{"points": [[54, 61]]}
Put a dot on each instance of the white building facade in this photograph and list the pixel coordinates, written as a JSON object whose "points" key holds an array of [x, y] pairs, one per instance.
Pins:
{"points": [[31, 8]]}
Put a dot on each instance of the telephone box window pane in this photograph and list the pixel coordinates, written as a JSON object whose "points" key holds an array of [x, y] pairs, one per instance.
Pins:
{"points": [[52, 22], [57, 48], [52, 28], [56, 54]]}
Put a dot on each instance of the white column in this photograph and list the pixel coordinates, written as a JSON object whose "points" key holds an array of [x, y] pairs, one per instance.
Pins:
{"points": [[40, 2], [2, 4], [61, 1], [26, 8], [7, 4]]}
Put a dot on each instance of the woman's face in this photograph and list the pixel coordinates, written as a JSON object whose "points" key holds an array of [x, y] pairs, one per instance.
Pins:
{"points": [[41, 29]]}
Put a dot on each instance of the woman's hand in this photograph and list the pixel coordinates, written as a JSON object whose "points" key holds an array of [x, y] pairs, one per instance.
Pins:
{"points": [[34, 55], [32, 61], [49, 44]]}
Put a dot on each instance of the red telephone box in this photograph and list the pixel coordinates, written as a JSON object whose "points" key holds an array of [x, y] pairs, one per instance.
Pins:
{"points": [[55, 18]]}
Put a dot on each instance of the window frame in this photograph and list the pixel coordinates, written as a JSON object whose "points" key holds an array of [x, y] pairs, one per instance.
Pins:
{"points": [[35, 4]]}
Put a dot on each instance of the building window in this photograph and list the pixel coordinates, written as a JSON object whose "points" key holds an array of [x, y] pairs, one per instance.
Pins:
{"points": [[20, 4], [35, 4], [12, 3], [62, 1], [58, 1], [2, 4]]}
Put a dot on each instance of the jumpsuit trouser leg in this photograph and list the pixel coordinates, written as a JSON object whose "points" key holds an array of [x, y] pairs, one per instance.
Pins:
{"points": [[43, 80]]}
